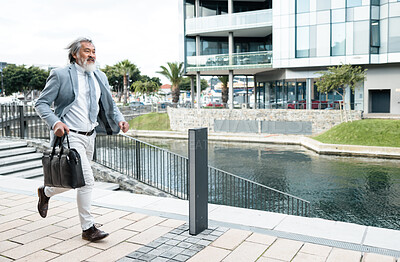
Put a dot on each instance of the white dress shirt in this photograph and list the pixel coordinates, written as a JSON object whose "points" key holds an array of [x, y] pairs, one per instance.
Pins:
{"points": [[77, 117]]}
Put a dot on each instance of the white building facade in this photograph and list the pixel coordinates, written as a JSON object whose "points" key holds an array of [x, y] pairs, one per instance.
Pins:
{"points": [[283, 43]]}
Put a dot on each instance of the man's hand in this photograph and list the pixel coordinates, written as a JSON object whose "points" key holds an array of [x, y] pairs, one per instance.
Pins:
{"points": [[59, 129], [124, 126]]}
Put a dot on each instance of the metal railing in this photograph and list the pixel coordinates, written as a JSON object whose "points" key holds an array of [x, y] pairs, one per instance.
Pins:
{"points": [[21, 121], [159, 167], [228, 189], [229, 22], [147, 163], [168, 172], [236, 60]]}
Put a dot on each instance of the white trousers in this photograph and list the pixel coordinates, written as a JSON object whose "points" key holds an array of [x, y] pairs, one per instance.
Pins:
{"points": [[85, 147]]}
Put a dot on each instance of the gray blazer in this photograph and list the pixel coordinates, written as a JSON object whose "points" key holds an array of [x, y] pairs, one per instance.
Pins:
{"points": [[62, 89]]}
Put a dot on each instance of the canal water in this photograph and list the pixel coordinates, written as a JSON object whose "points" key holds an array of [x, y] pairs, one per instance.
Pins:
{"points": [[351, 189]]}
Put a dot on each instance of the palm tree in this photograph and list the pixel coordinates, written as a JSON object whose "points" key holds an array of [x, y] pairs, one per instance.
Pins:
{"points": [[126, 68], [224, 91], [174, 75]]}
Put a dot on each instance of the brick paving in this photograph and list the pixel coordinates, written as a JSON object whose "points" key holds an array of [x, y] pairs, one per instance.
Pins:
{"points": [[177, 245], [25, 236]]}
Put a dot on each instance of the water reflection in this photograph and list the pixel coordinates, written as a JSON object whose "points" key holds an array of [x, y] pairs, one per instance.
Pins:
{"points": [[358, 190]]}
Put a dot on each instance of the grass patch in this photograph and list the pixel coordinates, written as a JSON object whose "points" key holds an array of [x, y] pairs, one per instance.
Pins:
{"points": [[151, 121], [367, 132]]}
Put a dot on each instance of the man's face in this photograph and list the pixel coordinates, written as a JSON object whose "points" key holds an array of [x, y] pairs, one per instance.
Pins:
{"points": [[86, 57]]}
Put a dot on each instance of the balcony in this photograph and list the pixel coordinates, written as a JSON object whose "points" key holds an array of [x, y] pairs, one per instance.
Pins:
{"points": [[236, 22], [225, 62]]}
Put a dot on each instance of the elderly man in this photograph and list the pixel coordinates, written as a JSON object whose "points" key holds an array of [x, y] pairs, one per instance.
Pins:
{"points": [[83, 106]]}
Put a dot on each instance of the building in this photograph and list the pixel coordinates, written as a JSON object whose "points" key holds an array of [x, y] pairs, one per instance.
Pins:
{"points": [[283, 43]]}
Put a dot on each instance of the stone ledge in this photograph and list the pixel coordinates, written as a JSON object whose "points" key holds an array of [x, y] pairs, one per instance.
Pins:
{"points": [[102, 173]]}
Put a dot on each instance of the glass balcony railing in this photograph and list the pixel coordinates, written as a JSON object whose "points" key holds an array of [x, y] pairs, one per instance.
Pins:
{"points": [[224, 61], [245, 20]]}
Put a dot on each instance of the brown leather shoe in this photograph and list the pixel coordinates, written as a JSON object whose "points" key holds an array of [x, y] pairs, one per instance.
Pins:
{"points": [[43, 204], [93, 234]]}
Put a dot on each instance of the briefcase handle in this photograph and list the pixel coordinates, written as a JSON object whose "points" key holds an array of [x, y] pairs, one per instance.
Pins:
{"points": [[59, 142]]}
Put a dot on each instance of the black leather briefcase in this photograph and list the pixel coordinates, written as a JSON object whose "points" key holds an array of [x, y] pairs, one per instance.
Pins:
{"points": [[62, 166]]}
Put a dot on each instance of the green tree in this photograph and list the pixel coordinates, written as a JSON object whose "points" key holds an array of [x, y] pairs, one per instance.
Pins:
{"points": [[146, 78], [340, 77], [224, 89], [185, 84], [174, 74], [23, 79], [38, 78], [125, 68], [114, 78], [145, 87]]}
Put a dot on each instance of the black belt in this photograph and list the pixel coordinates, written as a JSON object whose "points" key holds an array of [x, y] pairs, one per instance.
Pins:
{"points": [[83, 133]]}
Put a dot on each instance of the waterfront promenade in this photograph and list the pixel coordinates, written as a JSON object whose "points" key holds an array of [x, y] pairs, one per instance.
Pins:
{"points": [[148, 228]]}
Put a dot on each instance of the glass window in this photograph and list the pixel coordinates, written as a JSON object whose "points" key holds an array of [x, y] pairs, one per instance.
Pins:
{"points": [[252, 44], [272, 95], [303, 42], [323, 5], [353, 3], [302, 6], [350, 14], [291, 91], [279, 94], [190, 46], [394, 34], [375, 41], [301, 91], [313, 41], [383, 36], [210, 8], [323, 40], [375, 12], [245, 6], [214, 45], [190, 10], [361, 38], [338, 38], [375, 37], [338, 15], [377, 2]]}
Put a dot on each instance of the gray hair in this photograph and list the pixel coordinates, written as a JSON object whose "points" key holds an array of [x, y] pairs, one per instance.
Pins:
{"points": [[74, 47]]}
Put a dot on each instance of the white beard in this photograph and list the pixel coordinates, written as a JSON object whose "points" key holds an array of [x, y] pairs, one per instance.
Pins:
{"points": [[88, 67]]}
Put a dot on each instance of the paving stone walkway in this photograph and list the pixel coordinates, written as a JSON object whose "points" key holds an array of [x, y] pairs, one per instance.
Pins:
{"points": [[134, 236]]}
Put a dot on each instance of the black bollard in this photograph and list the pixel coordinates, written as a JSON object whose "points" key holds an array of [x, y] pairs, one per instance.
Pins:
{"points": [[198, 180]]}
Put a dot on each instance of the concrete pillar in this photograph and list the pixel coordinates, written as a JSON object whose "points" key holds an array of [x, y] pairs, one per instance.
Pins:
{"points": [[230, 48], [197, 8], [230, 6], [198, 89], [247, 93], [255, 92], [230, 100], [308, 93], [192, 93]]}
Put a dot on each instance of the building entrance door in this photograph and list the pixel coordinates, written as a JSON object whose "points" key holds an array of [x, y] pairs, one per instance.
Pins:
{"points": [[379, 101]]}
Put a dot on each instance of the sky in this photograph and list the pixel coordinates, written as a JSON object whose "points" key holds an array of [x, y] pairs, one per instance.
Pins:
{"points": [[148, 33]]}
